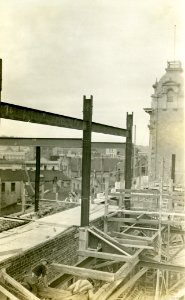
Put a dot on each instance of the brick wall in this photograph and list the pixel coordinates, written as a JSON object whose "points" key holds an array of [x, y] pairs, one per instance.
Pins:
{"points": [[62, 249]]}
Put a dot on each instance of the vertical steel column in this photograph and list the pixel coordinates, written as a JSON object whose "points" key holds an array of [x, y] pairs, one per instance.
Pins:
{"points": [[37, 179], [128, 159], [173, 171], [86, 161]]}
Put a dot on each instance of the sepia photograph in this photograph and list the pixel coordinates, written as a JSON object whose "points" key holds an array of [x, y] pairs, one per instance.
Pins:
{"points": [[92, 150]]}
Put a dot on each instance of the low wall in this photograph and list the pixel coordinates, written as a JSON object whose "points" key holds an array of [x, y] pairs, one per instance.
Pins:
{"points": [[61, 249], [9, 224]]}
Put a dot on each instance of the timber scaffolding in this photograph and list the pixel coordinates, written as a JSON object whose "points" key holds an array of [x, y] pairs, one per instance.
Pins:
{"points": [[135, 256], [137, 248]]}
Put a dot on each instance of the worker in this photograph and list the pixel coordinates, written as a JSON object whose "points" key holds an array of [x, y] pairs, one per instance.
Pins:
{"points": [[30, 283], [39, 274]]}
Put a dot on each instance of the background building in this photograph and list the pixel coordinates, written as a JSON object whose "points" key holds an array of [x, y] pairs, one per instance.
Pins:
{"points": [[167, 125]]}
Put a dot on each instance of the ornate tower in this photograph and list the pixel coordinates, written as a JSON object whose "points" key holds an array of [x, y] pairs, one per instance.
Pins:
{"points": [[167, 125]]}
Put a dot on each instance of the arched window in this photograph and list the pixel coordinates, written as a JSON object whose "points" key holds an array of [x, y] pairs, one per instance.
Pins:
{"points": [[170, 95]]}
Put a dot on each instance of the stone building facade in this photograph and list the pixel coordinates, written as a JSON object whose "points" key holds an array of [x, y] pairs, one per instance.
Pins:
{"points": [[167, 125]]}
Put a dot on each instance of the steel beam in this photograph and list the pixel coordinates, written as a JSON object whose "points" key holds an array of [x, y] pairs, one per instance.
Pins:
{"points": [[26, 114], [128, 159], [55, 142], [86, 161], [37, 179]]}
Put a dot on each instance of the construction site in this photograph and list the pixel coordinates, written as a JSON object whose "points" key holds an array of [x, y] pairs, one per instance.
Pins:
{"points": [[128, 246]]}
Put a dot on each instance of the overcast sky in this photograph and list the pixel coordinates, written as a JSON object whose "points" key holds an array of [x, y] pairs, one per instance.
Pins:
{"points": [[54, 52]]}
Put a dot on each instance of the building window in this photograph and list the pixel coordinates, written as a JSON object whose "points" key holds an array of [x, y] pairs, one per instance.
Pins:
{"points": [[3, 187], [13, 187], [170, 95]]}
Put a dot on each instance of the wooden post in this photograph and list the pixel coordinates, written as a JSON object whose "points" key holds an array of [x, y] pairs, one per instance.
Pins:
{"points": [[83, 241], [106, 206], [158, 281], [5, 294], [37, 179], [128, 159], [86, 161], [173, 171], [23, 198]]}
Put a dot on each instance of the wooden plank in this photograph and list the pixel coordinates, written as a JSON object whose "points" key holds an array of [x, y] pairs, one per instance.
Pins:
{"points": [[128, 284], [137, 253], [145, 221], [162, 266], [111, 214], [145, 191], [141, 228], [7, 293], [84, 273], [106, 290], [126, 269], [109, 238], [104, 255], [18, 286], [156, 234], [134, 243], [131, 236], [157, 213], [62, 279], [104, 264], [109, 243]]}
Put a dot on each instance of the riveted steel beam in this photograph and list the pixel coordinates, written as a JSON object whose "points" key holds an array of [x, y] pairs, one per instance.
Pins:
{"points": [[26, 114]]}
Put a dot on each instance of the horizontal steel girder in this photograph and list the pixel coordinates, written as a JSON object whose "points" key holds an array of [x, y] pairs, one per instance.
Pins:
{"points": [[25, 114], [57, 142]]}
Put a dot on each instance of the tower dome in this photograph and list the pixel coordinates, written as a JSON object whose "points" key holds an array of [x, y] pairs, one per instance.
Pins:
{"points": [[167, 123], [172, 79]]}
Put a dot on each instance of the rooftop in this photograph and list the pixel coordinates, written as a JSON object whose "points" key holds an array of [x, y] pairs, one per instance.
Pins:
{"points": [[174, 66], [12, 175]]}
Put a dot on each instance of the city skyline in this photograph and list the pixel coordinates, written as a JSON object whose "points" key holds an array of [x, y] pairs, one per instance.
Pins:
{"points": [[53, 54]]}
